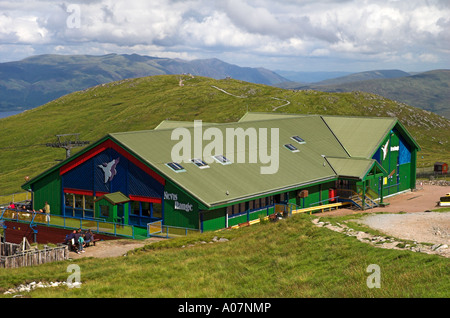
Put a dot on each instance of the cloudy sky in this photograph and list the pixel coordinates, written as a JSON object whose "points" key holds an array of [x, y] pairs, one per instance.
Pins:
{"points": [[299, 35]]}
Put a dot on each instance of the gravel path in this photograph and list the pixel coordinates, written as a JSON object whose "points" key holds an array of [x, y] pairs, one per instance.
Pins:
{"points": [[408, 220], [423, 227]]}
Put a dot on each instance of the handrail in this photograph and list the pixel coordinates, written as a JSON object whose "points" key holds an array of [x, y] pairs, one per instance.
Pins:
{"points": [[64, 223], [336, 197]]}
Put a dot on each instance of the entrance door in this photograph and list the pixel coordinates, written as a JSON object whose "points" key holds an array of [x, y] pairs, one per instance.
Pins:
{"points": [[120, 214]]}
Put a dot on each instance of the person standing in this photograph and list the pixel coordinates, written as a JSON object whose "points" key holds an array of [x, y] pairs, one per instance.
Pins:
{"points": [[47, 211], [81, 244]]}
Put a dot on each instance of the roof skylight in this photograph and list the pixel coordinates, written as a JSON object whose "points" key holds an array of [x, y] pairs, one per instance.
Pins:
{"points": [[298, 139], [291, 148], [222, 159], [175, 166], [200, 163]]}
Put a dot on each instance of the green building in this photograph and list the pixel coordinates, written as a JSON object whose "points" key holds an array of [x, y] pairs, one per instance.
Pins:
{"points": [[209, 176]]}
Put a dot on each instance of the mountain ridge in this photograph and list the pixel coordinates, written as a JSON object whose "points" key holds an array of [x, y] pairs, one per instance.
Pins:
{"points": [[427, 90], [39, 79]]}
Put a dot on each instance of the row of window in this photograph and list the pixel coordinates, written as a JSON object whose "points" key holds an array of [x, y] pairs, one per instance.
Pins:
{"points": [[223, 160], [256, 204], [85, 205]]}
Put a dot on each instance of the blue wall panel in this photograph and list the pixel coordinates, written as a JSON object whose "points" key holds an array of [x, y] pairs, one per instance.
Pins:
{"points": [[142, 184], [129, 179], [404, 152], [79, 177]]}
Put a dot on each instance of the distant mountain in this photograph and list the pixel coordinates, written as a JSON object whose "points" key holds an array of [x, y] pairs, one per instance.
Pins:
{"points": [[364, 76], [304, 80], [428, 90], [39, 79], [310, 77]]}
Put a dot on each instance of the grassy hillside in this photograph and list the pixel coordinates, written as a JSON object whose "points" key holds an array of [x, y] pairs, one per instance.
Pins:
{"points": [[428, 90], [288, 259], [142, 103]]}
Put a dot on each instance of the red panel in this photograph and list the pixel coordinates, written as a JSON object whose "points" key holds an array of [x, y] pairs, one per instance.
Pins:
{"points": [[102, 147], [15, 232], [85, 157], [77, 191], [144, 199]]}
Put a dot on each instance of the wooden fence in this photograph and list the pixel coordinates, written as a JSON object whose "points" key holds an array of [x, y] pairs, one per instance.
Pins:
{"points": [[13, 256]]}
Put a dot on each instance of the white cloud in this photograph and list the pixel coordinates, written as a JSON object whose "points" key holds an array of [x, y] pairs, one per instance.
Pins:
{"points": [[374, 30]]}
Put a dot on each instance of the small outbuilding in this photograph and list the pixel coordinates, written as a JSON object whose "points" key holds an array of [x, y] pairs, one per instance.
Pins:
{"points": [[113, 207], [441, 168]]}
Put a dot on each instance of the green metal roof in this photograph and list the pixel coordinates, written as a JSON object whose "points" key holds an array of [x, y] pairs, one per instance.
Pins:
{"points": [[268, 116], [353, 167], [360, 136], [170, 124], [219, 183]]}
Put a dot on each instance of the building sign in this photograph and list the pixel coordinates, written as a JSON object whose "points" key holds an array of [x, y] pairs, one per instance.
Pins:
{"points": [[183, 206], [396, 148], [109, 169], [178, 206]]}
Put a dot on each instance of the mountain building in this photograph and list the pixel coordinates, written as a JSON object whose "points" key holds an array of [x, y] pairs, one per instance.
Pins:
{"points": [[132, 178]]}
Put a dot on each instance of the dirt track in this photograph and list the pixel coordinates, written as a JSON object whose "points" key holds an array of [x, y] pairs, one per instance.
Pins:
{"points": [[112, 248], [414, 201]]}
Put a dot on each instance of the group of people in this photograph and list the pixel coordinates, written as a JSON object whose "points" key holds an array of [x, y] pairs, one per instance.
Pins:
{"points": [[25, 208], [78, 240]]}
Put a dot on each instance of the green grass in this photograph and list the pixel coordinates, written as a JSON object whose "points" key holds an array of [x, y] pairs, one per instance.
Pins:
{"points": [[289, 258], [140, 104], [445, 209]]}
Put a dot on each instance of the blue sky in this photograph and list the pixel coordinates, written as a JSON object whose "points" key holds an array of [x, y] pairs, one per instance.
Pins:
{"points": [[303, 35]]}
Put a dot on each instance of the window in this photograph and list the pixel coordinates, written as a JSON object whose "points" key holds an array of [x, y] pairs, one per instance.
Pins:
{"points": [[257, 203], [291, 148], [104, 210], [78, 205], [89, 202], [146, 209], [222, 159], [135, 208], [70, 203], [69, 199], [200, 163], [298, 139], [157, 210], [175, 166], [79, 202]]}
